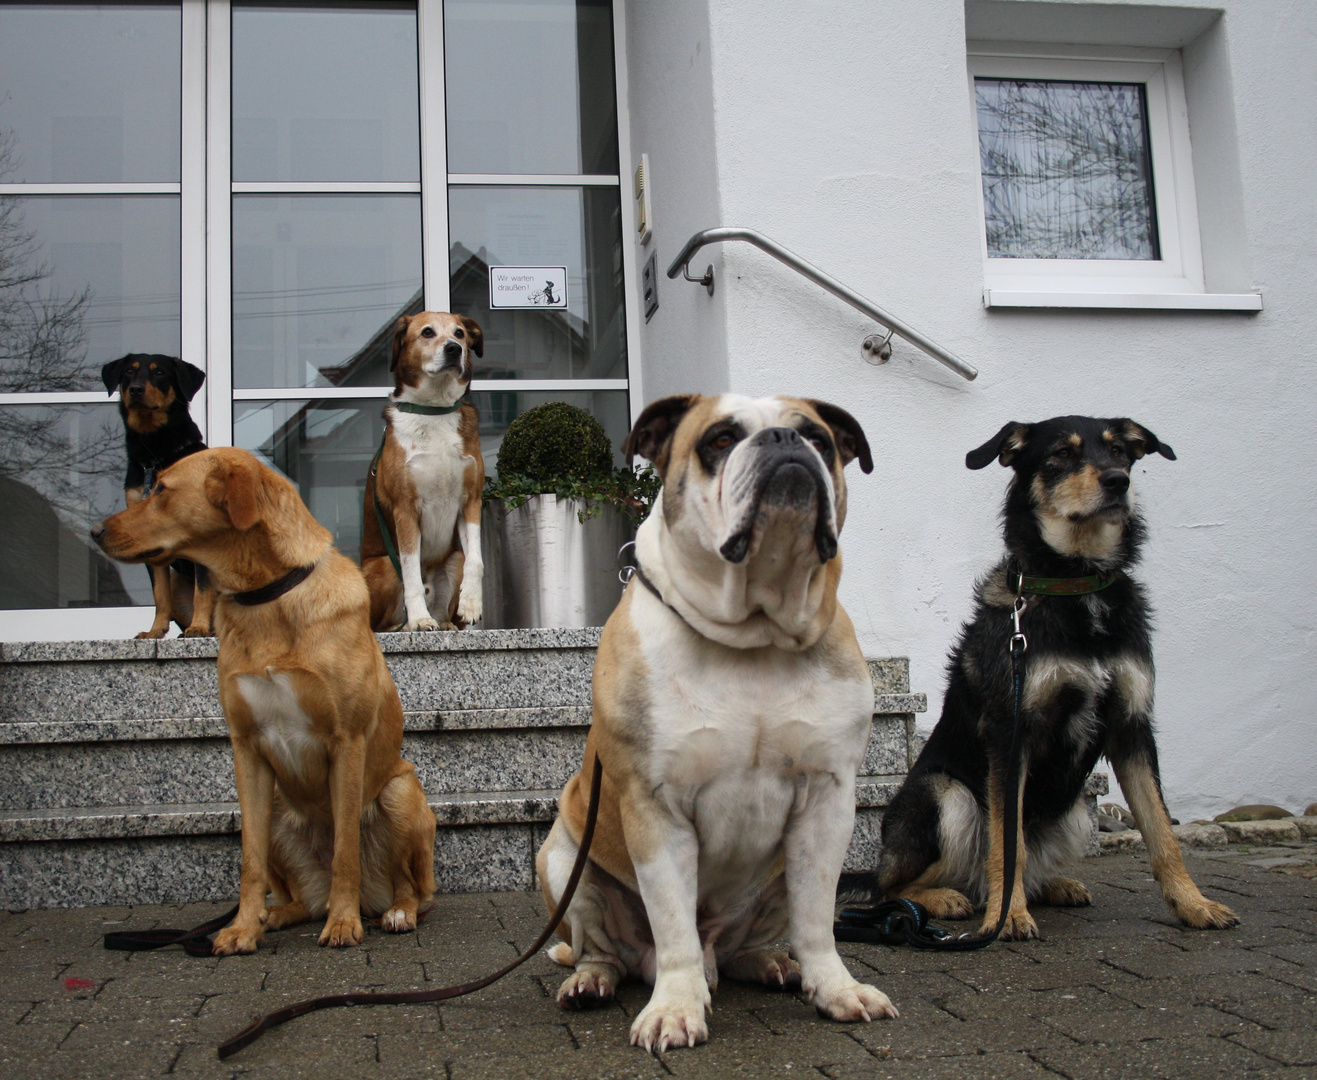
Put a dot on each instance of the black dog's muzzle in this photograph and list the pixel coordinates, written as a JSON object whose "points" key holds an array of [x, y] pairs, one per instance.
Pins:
{"points": [[786, 474]]}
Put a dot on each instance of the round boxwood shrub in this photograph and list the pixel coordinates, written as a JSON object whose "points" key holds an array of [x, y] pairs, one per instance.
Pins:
{"points": [[553, 443]]}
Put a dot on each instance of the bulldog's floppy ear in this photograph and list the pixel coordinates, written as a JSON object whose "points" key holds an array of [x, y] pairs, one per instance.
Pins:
{"points": [[653, 431], [187, 378], [1003, 446], [399, 340], [851, 443], [238, 488], [477, 335], [1142, 441], [112, 372]]}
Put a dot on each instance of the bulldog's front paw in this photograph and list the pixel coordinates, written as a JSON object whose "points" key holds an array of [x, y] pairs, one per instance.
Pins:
{"points": [[237, 939], [425, 623], [342, 931], [856, 1002], [674, 1016], [1205, 914], [1019, 926]]}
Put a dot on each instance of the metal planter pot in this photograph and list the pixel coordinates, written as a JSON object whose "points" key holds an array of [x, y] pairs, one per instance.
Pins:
{"points": [[546, 568]]}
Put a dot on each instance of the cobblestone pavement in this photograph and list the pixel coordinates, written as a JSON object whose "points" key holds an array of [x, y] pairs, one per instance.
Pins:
{"points": [[1116, 990]]}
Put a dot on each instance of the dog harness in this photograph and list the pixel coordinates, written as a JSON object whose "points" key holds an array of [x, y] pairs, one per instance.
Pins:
{"points": [[418, 410]]}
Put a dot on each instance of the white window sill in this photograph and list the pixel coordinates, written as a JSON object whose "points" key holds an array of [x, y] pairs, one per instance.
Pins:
{"points": [[1013, 298]]}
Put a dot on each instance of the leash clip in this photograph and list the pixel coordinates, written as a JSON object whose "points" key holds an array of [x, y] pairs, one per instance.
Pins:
{"points": [[1018, 640], [627, 571]]}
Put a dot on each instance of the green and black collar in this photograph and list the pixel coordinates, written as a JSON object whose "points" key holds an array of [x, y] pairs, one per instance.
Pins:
{"points": [[1019, 583], [428, 410]]}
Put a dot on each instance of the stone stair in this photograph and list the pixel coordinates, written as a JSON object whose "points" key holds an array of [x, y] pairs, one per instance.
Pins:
{"points": [[116, 778]]}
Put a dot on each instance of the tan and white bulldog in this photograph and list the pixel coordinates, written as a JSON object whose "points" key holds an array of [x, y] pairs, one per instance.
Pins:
{"points": [[732, 706]]}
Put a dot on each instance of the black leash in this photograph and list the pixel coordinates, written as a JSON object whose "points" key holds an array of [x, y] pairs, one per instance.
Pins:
{"points": [[195, 942], [257, 1028], [901, 921]]}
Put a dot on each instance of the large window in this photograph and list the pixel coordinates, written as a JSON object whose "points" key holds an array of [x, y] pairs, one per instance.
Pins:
{"points": [[263, 188]]}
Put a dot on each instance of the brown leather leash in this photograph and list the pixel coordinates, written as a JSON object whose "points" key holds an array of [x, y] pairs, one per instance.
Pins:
{"points": [[255, 1030]]}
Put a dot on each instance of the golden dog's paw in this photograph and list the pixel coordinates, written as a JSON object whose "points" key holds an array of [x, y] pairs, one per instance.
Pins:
{"points": [[426, 623], [1019, 926], [447, 626], [1204, 914], [667, 1025], [586, 989], [1065, 892], [237, 939], [146, 635], [342, 932], [197, 631], [771, 967], [856, 1002], [944, 903], [398, 921]]}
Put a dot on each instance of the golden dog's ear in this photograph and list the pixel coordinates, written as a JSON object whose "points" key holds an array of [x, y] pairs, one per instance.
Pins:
{"points": [[477, 335], [1003, 446], [851, 442], [399, 340], [654, 429], [1140, 440], [238, 488]]}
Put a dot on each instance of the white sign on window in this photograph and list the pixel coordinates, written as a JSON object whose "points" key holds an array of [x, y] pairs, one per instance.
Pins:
{"points": [[528, 287]]}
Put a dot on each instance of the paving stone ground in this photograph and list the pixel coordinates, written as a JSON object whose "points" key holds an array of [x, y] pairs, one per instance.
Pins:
{"points": [[1117, 990]]}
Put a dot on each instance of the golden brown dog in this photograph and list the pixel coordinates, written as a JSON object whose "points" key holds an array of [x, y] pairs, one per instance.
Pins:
{"points": [[427, 482], [333, 819]]}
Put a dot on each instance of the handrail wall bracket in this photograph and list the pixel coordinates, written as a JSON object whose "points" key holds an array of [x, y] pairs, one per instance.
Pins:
{"points": [[875, 349]]}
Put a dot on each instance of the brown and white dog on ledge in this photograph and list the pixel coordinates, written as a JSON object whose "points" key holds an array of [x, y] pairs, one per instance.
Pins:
{"points": [[420, 540], [732, 706]]}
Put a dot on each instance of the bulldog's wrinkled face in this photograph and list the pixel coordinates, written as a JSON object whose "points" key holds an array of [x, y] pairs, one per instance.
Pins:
{"points": [[738, 471], [433, 351]]}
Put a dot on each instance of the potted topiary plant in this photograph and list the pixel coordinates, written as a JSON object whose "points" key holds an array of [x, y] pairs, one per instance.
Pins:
{"points": [[556, 515]]}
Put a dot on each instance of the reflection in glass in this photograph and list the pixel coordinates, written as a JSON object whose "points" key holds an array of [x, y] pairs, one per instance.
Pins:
{"points": [[61, 471], [1066, 170], [90, 93], [579, 228], [318, 283], [325, 447], [530, 86], [83, 281], [325, 92]]}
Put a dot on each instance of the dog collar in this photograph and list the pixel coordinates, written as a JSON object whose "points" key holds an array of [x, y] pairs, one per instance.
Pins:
{"points": [[1028, 584], [428, 410], [275, 589], [643, 578]]}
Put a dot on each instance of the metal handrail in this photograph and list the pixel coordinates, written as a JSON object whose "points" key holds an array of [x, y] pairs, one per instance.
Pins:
{"points": [[824, 281]]}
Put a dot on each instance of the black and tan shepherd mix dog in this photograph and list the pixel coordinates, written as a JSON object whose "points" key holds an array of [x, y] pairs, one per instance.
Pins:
{"points": [[334, 821], [1072, 535], [154, 391]]}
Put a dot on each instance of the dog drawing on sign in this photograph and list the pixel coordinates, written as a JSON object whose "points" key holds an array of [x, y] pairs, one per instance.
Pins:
{"points": [[420, 543], [1072, 537]]}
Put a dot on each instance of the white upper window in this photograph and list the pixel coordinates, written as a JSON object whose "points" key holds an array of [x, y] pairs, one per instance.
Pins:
{"points": [[1087, 179]]}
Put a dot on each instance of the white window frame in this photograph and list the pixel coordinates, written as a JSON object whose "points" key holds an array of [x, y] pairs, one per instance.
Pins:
{"points": [[1175, 280]]}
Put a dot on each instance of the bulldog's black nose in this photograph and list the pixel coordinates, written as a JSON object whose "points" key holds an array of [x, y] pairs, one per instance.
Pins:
{"points": [[1115, 481], [783, 436], [97, 531], [452, 352]]}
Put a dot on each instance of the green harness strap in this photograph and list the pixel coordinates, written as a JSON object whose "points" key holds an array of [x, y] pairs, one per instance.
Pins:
{"points": [[406, 407]]}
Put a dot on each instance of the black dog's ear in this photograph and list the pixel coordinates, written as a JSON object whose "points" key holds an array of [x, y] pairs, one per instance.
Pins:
{"points": [[653, 430], [851, 442], [1003, 446], [188, 378], [1142, 441], [399, 340], [111, 373]]}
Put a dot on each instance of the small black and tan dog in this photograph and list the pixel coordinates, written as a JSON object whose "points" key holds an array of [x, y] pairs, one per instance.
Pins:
{"points": [[1071, 536], [154, 391]]}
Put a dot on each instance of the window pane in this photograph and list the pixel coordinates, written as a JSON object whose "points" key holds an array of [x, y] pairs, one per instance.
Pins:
{"points": [[1066, 170], [325, 93], [530, 86], [89, 93], [318, 282], [83, 281], [61, 471], [579, 228]]}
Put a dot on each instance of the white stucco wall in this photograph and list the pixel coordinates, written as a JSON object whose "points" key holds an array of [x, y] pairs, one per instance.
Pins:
{"points": [[844, 131]]}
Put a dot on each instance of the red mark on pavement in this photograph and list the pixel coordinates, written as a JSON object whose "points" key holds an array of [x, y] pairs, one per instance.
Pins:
{"points": [[78, 984]]}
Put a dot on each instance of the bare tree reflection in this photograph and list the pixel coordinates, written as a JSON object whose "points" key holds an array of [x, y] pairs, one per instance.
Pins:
{"points": [[1066, 170]]}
